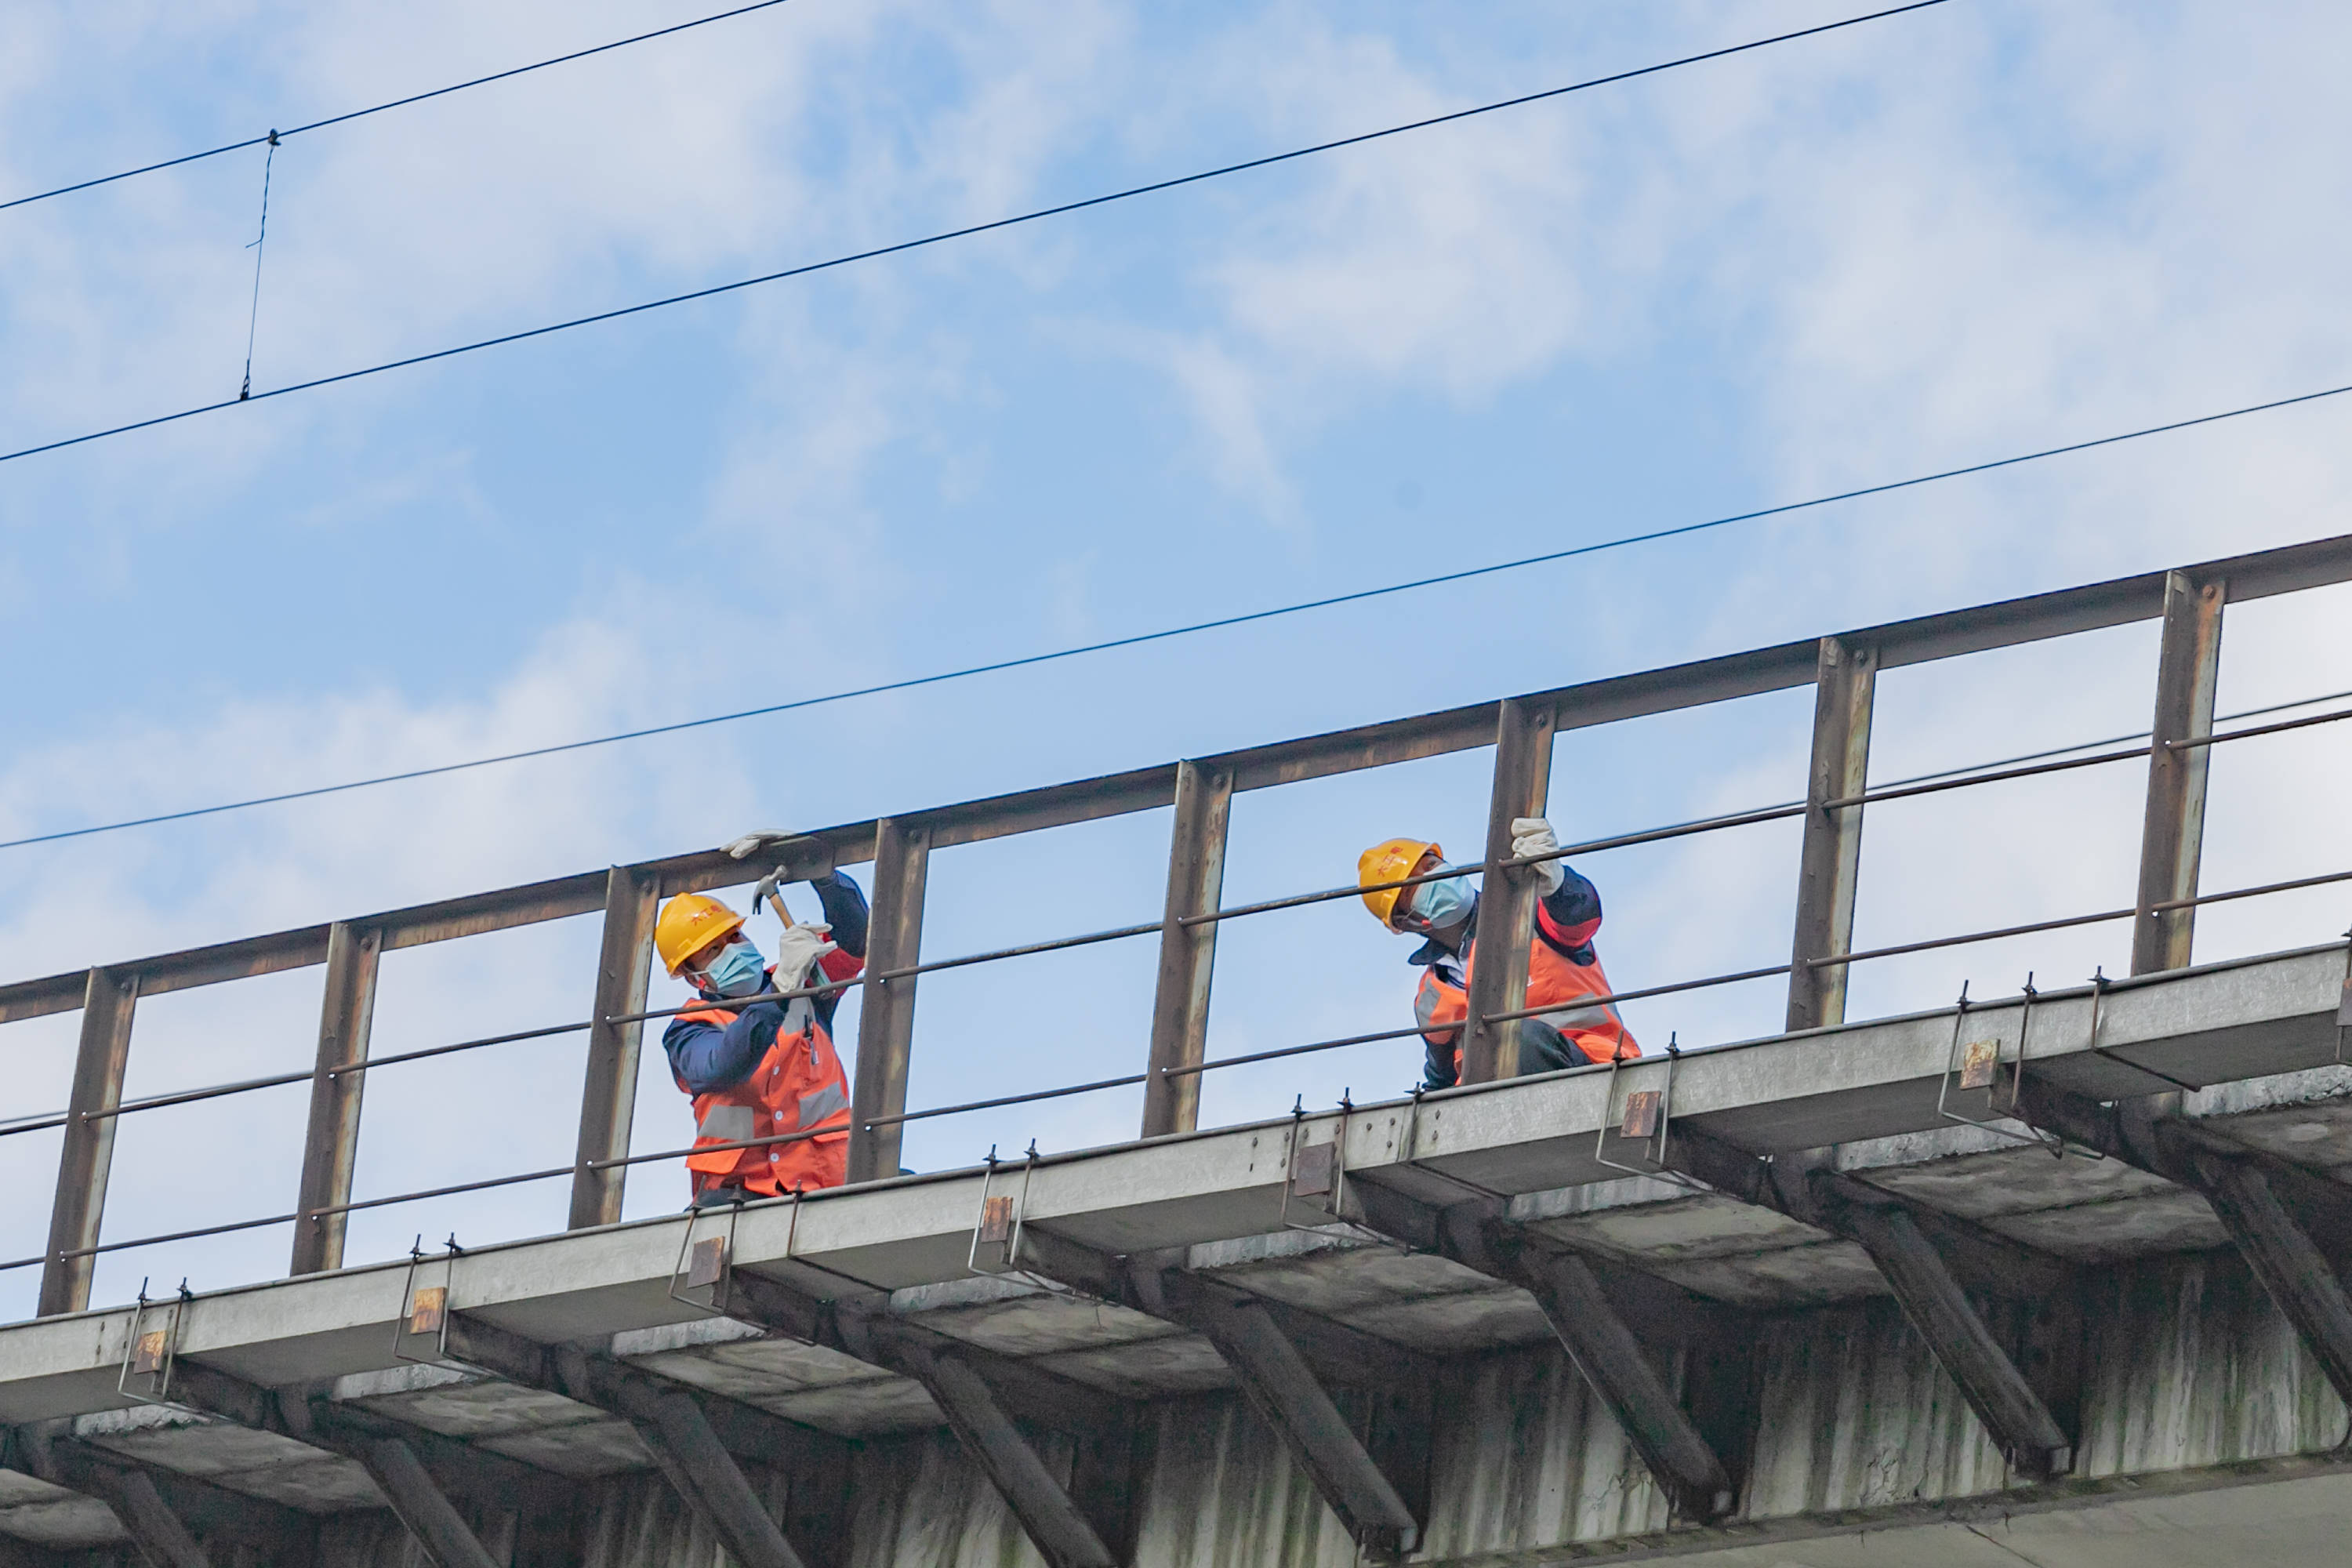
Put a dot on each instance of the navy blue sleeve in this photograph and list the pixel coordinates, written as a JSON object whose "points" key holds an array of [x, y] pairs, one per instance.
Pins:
{"points": [[706, 1056], [1438, 1071], [1569, 918], [845, 910]]}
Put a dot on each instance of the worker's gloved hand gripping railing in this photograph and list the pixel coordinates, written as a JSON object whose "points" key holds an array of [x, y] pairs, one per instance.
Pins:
{"points": [[2032, 766]]}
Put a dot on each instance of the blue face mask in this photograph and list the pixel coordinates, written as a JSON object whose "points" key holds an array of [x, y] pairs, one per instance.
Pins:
{"points": [[1437, 905], [739, 972]]}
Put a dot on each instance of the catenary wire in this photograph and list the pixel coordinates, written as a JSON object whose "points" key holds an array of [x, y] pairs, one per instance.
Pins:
{"points": [[1167, 633], [381, 108], [943, 235]]}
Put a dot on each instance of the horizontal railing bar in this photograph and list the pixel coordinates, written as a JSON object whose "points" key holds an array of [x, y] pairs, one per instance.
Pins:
{"points": [[834, 987], [1130, 1080], [1326, 895], [1291, 1051], [54, 1120], [1590, 847], [472, 1045], [830, 987], [189, 1096], [1962, 941], [2060, 924], [485, 1183], [1904, 791], [1115, 933], [773, 1138], [181, 1235], [1615, 997], [2257, 891], [2303, 724], [1919, 787]]}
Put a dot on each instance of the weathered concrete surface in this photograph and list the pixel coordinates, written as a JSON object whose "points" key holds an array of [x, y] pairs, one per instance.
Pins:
{"points": [[2196, 1397], [2192, 1370]]}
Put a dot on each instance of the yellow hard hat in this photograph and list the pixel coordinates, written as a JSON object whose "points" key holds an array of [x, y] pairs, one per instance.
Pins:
{"points": [[688, 924], [1391, 860]]}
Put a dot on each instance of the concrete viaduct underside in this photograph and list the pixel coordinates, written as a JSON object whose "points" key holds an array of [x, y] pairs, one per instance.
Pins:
{"points": [[1873, 1294]]}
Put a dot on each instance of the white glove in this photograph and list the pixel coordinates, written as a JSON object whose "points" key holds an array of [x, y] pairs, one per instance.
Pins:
{"points": [[1533, 836], [797, 951], [753, 843]]}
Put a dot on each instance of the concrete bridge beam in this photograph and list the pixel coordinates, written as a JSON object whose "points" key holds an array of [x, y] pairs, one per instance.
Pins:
{"points": [[1282, 1357], [1584, 1316], [423, 1509], [410, 1467], [1056, 1525], [1924, 1255], [1275, 1379], [2284, 1220], [675, 1426], [1085, 1524], [128, 1492], [133, 1490]]}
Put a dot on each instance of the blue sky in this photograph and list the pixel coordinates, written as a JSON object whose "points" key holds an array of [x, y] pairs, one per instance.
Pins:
{"points": [[1983, 228]]}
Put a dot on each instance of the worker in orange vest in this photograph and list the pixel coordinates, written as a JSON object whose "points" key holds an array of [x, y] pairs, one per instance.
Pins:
{"points": [[1564, 976], [765, 1069]]}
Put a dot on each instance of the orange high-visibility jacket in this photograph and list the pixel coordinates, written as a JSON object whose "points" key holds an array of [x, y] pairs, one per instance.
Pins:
{"points": [[798, 1085], [1565, 989]]}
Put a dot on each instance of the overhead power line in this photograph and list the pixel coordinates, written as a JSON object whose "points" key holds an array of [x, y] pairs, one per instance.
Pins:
{"points": [[275, 136], [1170, 632], [969, 229]]}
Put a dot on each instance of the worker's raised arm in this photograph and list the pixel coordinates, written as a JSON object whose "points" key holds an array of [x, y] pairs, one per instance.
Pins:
{"points": [[846, 911], [705, 1056], [1567, 916]]}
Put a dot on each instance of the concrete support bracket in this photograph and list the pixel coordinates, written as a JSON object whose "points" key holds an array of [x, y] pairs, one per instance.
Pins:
{"points": [[2022, 1426], [2284, 1220], [677, 1426], [409, 1467], [1620, 1374], [2295, 1272], [679, 1437], [1056, 1525], [1279, 1384], [1924, 1256], [129, 1493], [430, 1518], [1591, 1328]]}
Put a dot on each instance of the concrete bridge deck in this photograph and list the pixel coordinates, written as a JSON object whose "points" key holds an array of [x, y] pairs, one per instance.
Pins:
{"points": [[1410, 1253]]}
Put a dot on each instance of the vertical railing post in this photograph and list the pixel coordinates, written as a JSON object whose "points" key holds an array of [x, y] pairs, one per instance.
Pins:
{"points": [[1180, 1008], [608, 1095], [2172, 834], [88, 1153], [1845, 681], [330, 1146], [1506, 903], [886, 1026]]}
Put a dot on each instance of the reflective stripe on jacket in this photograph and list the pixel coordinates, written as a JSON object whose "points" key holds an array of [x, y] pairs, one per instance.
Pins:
{"points": [[797, 1086], [1566, 990]]}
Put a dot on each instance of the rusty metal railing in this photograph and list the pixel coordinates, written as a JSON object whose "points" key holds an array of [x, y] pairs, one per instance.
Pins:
{"points": [[1842, 669]]}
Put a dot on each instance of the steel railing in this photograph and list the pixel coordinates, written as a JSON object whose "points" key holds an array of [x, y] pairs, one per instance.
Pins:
{"points": [[2180, 733], [1952, 779]]}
